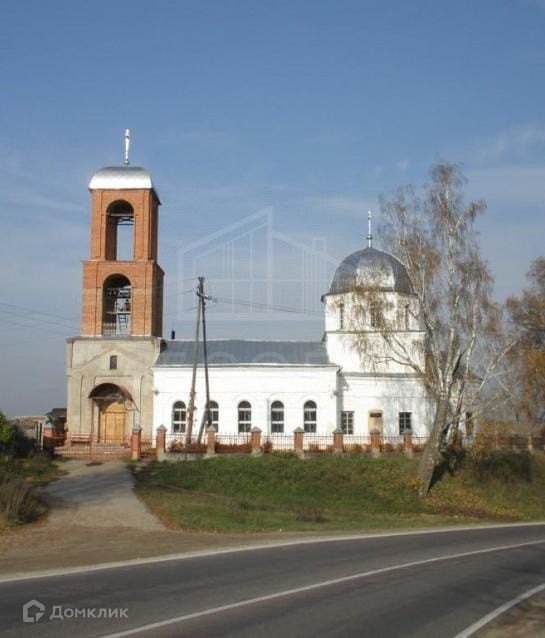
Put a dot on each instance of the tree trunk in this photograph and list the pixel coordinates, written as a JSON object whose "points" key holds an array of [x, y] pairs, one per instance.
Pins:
{"points": [[432, 452]]}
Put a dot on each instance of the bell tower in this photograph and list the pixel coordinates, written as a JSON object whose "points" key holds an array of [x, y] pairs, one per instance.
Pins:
{"points": [[110, 382], [122, 296]]}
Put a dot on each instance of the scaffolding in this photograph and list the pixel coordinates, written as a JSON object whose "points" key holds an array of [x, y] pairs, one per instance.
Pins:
{"points": [[117, 307]]}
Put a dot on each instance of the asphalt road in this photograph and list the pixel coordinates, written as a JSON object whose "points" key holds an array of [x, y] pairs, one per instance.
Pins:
{"points": [[418, 584]]}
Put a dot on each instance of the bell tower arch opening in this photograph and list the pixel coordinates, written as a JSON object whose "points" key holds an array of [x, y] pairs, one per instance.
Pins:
{"points": [[119, 231], [116, 306]]}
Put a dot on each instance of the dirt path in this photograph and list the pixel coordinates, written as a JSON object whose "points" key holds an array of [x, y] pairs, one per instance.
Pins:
{"points": [[97, 496], [95, 517]]}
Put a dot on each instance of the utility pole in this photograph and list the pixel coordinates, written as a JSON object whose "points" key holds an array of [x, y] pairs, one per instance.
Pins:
{"points": [[206, 417], [191, 407]]}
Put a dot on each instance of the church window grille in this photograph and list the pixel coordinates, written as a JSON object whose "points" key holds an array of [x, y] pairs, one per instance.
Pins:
{"points": [[179, 417], [244, 416], [309, 416], [375, 316], [277, 417], [214, 414], [347, 422], [405, 422]]}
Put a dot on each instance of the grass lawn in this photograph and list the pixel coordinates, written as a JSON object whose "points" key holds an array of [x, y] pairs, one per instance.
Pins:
{"points": [[279, 492]]}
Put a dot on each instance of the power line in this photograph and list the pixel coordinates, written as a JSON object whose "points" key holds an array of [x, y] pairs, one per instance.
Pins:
{"points": [[264, 306], [32, 310], [31, 327], [48, 321]]}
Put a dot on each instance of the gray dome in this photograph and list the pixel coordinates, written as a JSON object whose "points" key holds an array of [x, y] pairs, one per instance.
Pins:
{"points": [[122, 178], [375, 267]]}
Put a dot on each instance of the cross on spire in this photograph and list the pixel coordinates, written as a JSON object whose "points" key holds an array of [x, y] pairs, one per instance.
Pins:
{"points": [[127, 146], [369, 233]]}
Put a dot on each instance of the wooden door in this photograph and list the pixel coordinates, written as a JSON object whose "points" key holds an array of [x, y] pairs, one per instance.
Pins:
{"points": [[112, 421], [376, 423]]}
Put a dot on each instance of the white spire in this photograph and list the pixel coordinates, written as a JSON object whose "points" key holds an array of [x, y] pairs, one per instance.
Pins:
{"points": [[369, 233], [127, 146]]}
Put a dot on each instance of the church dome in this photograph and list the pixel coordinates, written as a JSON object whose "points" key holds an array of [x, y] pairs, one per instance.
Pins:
{"points": [[121, 178], [372, 267]]}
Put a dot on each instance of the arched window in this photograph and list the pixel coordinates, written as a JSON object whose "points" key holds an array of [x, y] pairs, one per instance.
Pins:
{"points": [[214, 414], [341, 316], [116, 306], [244, 416], [119, 227], [113, 362], [179, 417], [277, 417], [375, 315], [309, 416]]}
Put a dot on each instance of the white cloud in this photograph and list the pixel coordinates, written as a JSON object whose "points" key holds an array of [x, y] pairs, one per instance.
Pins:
{"points": [[519, 142], [509, 185]]}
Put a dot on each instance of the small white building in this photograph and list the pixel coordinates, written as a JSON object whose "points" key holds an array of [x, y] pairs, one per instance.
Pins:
{"points": [[316, 385]]}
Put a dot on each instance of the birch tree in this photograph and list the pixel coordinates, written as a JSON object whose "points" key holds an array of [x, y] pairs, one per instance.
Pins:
{"points": [[433, 234]]}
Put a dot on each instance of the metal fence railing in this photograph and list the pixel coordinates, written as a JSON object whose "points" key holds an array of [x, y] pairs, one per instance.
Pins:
{"points": [[87, 445]]}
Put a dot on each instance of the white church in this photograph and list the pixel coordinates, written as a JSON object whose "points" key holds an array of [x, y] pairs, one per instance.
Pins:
{"points": [[121, 372]]}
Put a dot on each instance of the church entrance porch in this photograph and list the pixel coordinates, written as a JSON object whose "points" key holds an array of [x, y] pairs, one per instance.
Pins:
{"points": [[111, 407]]}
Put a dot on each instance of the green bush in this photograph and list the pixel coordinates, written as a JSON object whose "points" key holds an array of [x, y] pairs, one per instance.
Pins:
{"points": [[12, 441], [504, 465]]}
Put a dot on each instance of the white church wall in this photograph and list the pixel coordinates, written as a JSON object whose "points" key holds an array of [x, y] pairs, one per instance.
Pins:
{"points": [[260, 385], [342, 343], [362, 394]]}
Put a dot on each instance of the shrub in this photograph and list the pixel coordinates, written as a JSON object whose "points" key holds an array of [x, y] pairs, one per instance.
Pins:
{"points": [[355, 448], [233, 448], [12, 441], [18, 504], [267, 447], [505, 465]]}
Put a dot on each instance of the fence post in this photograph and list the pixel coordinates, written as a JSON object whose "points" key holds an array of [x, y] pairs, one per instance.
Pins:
{"points": [[255, 440], [136, 443], [210, 440], [408, 444], [375, 443], [530, 443], [48, 433], [298, 434], [160, 443], [338, 447], [497, 441]]}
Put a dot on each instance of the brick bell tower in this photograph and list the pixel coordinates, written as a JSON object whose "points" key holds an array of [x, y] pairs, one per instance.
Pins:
{"points": [[109, 364]]}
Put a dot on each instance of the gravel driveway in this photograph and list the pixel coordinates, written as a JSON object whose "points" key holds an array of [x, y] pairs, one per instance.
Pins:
{"points": [[97, 496]]}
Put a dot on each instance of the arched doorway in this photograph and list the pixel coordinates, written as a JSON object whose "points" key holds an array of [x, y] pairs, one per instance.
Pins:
{"points": [[111, 405]]}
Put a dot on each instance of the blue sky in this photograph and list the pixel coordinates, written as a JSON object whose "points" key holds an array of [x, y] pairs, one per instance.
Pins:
{"points": [[308, 109]]}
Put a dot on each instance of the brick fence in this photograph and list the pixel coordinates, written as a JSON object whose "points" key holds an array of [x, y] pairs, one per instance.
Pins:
{"points": [[169, 446]]}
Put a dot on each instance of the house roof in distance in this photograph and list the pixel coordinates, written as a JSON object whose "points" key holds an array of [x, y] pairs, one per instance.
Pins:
{"points": [[245, 352]]}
